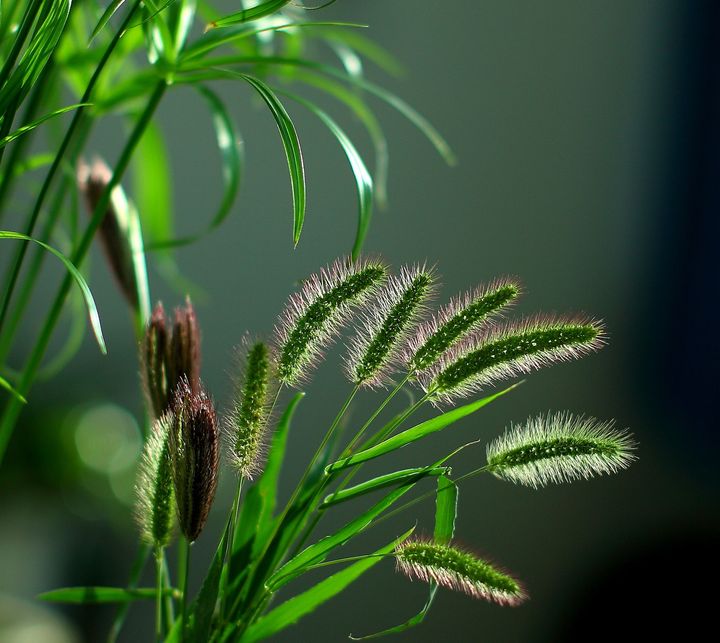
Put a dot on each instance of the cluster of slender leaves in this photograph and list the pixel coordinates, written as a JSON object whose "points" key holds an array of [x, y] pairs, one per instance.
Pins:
{"points": [[266, 546], [119, 60]]}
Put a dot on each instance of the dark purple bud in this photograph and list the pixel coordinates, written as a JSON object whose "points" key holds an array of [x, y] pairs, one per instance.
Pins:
{"points": [[183, 357], [154, 350], [115, 228], [195, 455]]}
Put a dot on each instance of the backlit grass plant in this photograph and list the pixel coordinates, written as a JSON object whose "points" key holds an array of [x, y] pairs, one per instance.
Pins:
{"points": [[266, 544]]}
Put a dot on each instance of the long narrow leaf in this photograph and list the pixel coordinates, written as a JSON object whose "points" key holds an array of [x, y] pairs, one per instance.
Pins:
{"points": [[217, 37], [295, 608], [79, 280], [387, 480], [87, 595], [20, 131], [445, 516], [417, 432], [324, 546], [258, 506], [253, 13], [9, 388], [362, 177], [105, 18], [291, 143], [230, 147]]}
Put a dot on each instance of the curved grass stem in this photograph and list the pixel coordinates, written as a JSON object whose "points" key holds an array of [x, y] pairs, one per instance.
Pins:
{"points": [[13, 408]]}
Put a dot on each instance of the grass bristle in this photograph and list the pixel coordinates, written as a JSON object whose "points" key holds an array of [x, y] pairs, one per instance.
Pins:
{"points": [[558, 448], [247, 422], [315, 314], [384, 326], [155, 503], [502, 352], [464, 315], [458, 570]]}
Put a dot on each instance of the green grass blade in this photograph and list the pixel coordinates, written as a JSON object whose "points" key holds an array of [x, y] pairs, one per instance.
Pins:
{"points": [[362, 177], [31, 126], [9, 388], [295, 608], [246, 15], [319, 550], [230, 147], [367, 48], [445, 515], [79, 280], [256, 513], [88, 595], [200, 613], [291, 143], [417, 432], [215, 38], [396, 477], [105, 18], [446, 504]]}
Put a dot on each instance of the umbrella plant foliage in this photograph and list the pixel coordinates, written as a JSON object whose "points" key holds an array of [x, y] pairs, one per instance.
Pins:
{"points": [[67, 66]]}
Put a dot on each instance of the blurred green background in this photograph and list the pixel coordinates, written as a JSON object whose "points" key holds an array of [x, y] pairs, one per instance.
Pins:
{"points": [[587, 138]]}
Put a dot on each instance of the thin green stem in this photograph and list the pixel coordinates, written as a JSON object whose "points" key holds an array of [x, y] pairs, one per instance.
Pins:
{"points": [[230, 544], [14, 406], [19, 147], [137, 568], [57, 161], [371, 419], [159, 597], [257, 605], [169, 606], [185, 589]]}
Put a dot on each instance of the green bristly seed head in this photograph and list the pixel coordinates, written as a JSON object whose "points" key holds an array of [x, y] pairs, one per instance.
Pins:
{"points": [[509, 351], [559, 448], [314, 315], [459, 318], [386, 324], [247, 424], [155, 507], [457, 570]]}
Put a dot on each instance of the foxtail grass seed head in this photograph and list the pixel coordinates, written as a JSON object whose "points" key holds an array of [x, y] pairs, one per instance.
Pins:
{"points": [[557, 448], [248, 420], [510, 350], [184, 349], [314, 315], [153, 354], [464, 315], [92, 180], [155, 506], [457, 570], [195, 456], [385, 324]]}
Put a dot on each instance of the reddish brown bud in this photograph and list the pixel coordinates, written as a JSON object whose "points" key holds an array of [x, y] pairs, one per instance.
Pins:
{"points": [[117, 230], [195, 454], [154, 350], [183, 357]]}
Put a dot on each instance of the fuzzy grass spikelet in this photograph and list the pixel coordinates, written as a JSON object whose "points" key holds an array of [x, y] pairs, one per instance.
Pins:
{"points": [[155, 503], [510, 350], [559, 448], [248, 420], [457, 570], [464, 315], [315, 314], [386, 324], [195, 456]]}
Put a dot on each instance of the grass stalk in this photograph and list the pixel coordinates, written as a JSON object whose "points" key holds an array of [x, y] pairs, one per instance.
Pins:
{"points": [[14, 406]]}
